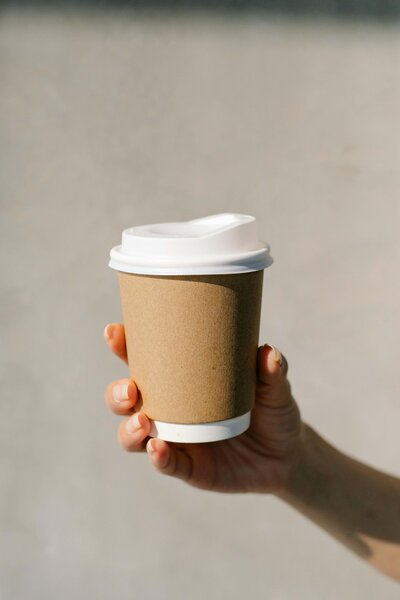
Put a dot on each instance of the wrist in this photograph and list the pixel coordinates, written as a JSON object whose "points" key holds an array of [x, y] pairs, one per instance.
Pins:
{"points": [[307, 466]]}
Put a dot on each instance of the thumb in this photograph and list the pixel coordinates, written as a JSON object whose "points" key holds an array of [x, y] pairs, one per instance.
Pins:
{"points": [[272, 386]]}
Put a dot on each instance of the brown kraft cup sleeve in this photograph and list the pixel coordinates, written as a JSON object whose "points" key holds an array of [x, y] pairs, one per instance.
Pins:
{"points": [[192, 343]]}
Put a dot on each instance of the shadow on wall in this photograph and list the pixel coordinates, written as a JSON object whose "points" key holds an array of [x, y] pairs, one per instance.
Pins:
{"points": [[374, 9]]}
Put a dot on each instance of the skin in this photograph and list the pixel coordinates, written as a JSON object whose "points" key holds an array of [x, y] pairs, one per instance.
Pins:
{"points": [[278, 454]]}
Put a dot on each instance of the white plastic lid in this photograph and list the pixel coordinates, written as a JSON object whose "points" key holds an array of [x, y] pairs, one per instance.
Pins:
{"points": [[216, 244]]}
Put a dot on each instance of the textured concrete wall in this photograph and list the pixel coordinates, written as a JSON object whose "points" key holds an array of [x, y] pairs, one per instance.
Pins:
{"points": [[111, 120]]}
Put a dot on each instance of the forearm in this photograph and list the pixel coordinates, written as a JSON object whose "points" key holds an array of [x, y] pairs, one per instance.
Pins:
{"points": [[358, 505]]}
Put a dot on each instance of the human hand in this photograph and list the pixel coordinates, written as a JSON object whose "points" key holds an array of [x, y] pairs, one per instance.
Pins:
{"points": [[259, 460]]}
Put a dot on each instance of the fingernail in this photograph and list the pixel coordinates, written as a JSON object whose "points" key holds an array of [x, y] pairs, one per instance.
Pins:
{"points": [[133, 424], [150, 446], [277, 354], [108, 332], [121, 392]]}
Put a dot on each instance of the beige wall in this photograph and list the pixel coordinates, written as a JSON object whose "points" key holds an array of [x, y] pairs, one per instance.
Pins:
{"points": [[112, 120]]}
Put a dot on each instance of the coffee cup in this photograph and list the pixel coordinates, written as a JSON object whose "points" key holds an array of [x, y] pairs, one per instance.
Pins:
{"points": [[191, 300]]}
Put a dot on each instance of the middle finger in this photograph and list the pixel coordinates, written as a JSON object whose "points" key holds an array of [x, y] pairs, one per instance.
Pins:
{"points": [[121, 396]]}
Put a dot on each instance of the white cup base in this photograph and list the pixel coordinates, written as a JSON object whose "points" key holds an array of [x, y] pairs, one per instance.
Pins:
{"points": [[200, 432]]}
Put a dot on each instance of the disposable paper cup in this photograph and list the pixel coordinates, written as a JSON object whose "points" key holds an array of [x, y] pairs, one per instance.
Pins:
{"points": [[191, 300]]}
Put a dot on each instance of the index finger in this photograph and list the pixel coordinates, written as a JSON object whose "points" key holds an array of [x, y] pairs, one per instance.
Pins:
{"points": [[114, 334]]}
